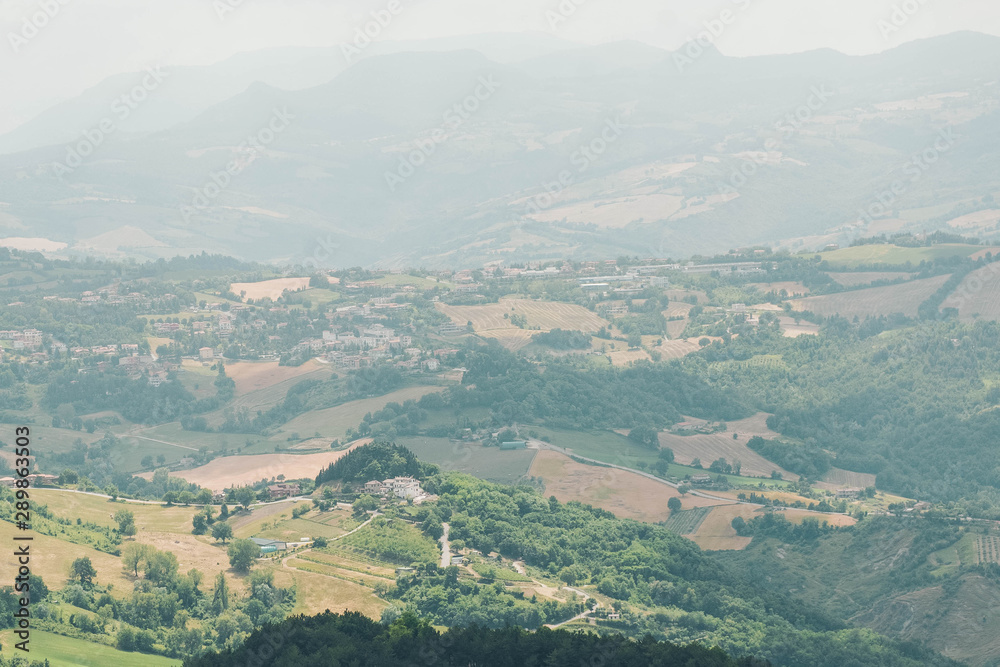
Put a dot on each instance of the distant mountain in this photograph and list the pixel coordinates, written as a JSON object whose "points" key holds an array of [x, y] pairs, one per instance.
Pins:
{"points": [[455, 157]]}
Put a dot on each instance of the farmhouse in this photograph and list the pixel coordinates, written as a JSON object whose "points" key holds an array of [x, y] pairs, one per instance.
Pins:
{"points": [[513, 444], [401, 487], [284, 490], [849, 493], [701, 479], [375, 487]]}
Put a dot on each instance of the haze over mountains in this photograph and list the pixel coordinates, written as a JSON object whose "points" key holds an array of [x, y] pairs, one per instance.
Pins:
{"points": [[644, 152]]}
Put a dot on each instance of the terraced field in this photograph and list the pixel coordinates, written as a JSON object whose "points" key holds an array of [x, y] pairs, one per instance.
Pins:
{"points": [[874, 301]]}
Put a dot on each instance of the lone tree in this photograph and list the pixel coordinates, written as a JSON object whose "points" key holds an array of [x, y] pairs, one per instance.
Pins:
{"points": [[674, 504], [245, 496], [134, 555], [242, 554], [126, 523], [222, 531], [83, 570]]}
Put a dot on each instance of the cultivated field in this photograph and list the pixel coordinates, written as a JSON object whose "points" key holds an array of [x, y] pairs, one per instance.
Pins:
{"points": [[864, 278], [626, 494], [976, 221], [626, 357], [251, 376], [716, 532], [512, 339], [709, 447], [858, 256], [978, 297], [487, 463], [334, 422], [849, 480], [546, 315], [229, 471], [272, 289], [988, 549], [686, 522], [675, 349], [874, 301]]}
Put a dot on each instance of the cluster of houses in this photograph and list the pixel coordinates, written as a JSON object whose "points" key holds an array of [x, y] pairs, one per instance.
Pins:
{"points": [[284, 490], [405, 488], [35, 479]]}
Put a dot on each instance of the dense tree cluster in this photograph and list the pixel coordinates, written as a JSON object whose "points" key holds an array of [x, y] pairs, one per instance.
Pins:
{"points": [[353, 639]]}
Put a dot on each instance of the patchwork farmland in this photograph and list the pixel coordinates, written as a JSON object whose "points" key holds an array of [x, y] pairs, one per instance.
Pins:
{"points": [[710, 447], [874, 301], [546, 315], [623, 493]]}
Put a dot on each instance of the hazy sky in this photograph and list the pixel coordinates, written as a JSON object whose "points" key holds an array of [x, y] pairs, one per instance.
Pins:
{"points": [[84, 41]]}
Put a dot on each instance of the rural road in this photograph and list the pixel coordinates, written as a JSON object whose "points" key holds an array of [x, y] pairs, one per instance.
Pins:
{"points": [[162, 442], [445, 547], [583, 614]]}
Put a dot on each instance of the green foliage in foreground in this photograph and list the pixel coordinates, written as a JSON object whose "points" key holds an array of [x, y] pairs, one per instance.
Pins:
{"points": [[353, 639], [675, 585]]}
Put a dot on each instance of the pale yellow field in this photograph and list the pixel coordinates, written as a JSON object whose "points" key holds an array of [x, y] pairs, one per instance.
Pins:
{"points": [[546, 315], [978, 219], [272, 289], [626, 494], [626, 357], [52, 558], [256, 375], [716, 532], [229, 471], [675, 349], [100, 511]]}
